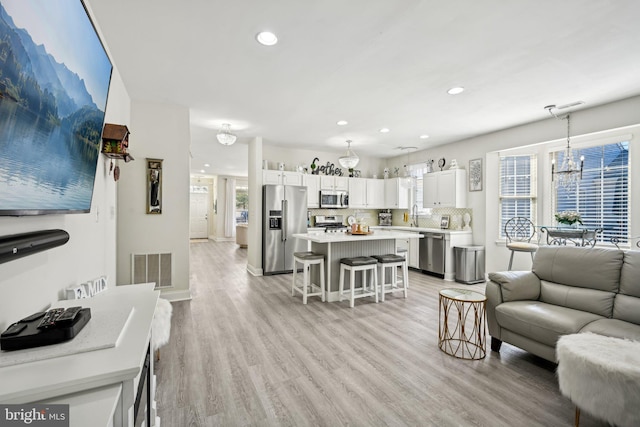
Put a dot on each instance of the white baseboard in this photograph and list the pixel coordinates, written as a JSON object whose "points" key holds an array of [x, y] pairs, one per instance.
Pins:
{"points": [[254, 271], [223, 239], [176, 295]]}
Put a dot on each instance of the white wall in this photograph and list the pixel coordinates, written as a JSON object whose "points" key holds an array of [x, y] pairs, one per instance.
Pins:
{"points": [[158, 131], [34, 282], [591, 122]]}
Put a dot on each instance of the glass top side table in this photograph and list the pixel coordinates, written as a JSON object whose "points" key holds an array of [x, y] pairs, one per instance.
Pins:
{"points": [[462, 331], [577, 236]]}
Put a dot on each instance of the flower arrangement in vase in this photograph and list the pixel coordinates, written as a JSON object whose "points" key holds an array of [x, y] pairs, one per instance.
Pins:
{"points": [[569, 218]]}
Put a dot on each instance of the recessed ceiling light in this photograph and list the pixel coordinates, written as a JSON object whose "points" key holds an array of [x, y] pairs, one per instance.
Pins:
{"points": [[206, 165], [424, 136], [384, 130], [202, 171], [342, 123], [266, 38], [455, 90]]}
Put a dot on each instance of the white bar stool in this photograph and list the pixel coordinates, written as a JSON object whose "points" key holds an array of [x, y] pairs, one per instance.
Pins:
{"points": [[365, 265], [392, 261], [306, 288], [403, 252]]}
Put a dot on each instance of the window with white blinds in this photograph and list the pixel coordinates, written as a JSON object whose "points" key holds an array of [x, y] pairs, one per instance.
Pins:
{"points": [[517, 188], [602, 196]]}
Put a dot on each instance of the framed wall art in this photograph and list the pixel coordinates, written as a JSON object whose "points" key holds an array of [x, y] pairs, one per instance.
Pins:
{"points": [[475, 175], [154, 186], [444, 222]]}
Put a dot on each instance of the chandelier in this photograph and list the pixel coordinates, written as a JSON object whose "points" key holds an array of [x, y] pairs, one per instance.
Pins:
{"points": [[225, 137], [569, 173], [350, 159]]}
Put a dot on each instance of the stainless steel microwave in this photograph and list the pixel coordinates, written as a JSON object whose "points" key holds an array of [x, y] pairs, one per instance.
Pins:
{"points": [[334, 199]]}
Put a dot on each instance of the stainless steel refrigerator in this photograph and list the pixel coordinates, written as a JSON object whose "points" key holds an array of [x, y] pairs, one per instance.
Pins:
{"points": [[284, 212]]}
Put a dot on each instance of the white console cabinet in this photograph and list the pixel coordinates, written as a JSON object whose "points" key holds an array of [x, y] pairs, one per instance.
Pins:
{"points": [[99, 386]]}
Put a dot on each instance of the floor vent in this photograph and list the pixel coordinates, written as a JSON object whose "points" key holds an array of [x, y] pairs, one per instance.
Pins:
{"points": [[156, 268]]}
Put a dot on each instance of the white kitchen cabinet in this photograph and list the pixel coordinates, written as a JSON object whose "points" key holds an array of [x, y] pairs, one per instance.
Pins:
{"points": [[274, 177], [375, 194], [413, 253], [312, 182], [412, 247], [366, 193], [396, 193], [446, 189], [332, 182]]}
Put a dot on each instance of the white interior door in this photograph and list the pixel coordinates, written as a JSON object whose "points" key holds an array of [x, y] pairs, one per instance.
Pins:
{"points": [[199, 223]]}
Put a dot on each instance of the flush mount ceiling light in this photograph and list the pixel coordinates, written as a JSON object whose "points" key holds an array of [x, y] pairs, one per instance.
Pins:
{"points": [[206, 165], [425, 136], [455, 90], [350, 159], [342, 123], [570, 171], [266, 38], [384, 130], [225, 137]]}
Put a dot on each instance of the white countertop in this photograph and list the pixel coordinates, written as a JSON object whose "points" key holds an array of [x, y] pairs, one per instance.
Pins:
{"points": [[420, 229], [378, 234]]}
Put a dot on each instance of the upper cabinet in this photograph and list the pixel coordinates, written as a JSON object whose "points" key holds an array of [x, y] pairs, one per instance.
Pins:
{"points": [[366, 193], [396, 193], [312, 182], [274, 177], [446, 189], [332, 182]]}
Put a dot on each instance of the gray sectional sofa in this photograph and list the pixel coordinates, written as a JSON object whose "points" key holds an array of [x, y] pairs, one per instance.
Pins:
{"points": [[569, 290]]}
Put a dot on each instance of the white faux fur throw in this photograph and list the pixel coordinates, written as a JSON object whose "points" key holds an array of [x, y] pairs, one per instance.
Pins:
{"points": [[601, 376], [161, 326]]}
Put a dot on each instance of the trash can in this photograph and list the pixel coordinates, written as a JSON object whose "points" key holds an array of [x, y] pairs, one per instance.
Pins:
{"points": [[469, 264]]}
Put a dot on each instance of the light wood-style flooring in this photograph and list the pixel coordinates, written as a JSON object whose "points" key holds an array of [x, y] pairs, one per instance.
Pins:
{"points": [[244, 352]]}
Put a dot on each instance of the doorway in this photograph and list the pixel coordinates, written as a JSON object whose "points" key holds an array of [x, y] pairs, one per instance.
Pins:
{"points": [[198, 214]]}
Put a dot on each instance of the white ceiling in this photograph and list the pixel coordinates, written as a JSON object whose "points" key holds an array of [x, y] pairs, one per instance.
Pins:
{"points": [[374, 63]]}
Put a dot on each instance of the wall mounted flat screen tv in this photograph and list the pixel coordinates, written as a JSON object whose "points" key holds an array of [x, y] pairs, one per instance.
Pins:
{"points": [[54, 82]]}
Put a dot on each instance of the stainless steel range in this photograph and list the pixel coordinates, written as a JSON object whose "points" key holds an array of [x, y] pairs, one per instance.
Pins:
{"points": [[331, 223]]}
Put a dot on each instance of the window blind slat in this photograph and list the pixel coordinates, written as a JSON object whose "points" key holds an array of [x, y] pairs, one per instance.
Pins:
{"points": [[517, 184]]}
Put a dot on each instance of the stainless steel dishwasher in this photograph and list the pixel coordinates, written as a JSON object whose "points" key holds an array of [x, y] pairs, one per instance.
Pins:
{"points": [[432, 253]]}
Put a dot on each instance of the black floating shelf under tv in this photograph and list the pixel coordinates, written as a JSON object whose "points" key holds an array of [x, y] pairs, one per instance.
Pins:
{"points": [[20, 245]]}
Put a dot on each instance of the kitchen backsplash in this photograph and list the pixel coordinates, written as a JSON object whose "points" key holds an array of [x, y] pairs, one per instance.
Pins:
{"points": [[456, 218], [370, 216]]}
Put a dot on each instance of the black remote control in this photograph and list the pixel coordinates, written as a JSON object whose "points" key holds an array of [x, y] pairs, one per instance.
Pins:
{"points": [[33, 317], [14, 329], [68, 315], [50, 318]]}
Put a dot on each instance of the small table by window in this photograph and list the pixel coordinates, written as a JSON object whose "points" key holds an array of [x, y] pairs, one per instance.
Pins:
{"points": [[462, 331], [577, 236]]}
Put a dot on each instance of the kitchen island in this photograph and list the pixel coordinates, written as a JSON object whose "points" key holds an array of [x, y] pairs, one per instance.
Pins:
{"points": [[335, 246]]}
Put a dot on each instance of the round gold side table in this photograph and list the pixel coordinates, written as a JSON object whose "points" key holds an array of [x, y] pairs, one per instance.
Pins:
{"points": [[461, 316]]}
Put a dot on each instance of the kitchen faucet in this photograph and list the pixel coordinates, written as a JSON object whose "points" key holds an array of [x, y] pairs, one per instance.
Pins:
{"points": [[414, 215]]}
